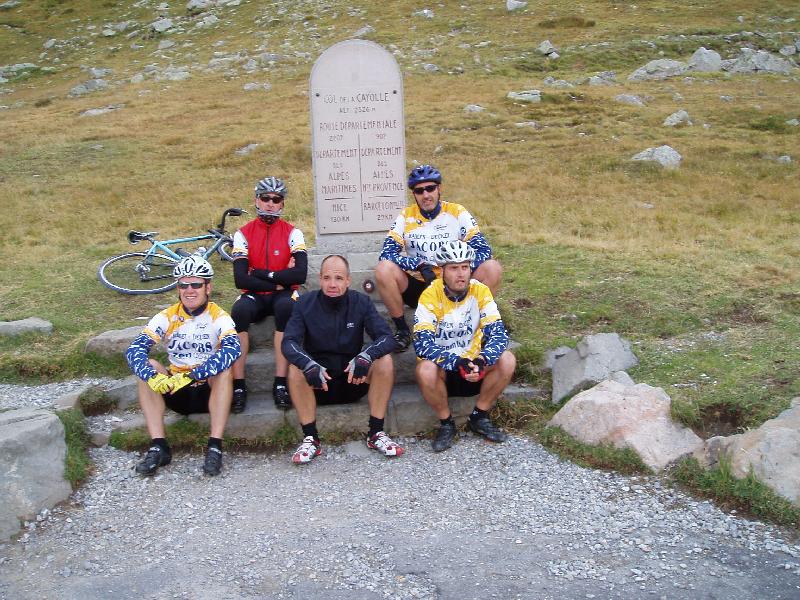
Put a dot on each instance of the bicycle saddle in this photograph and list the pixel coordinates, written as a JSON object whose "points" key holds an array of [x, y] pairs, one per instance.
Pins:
{"points": [[134, 237]]}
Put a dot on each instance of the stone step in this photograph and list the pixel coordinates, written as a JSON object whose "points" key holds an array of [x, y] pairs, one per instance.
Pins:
{"points": [[408, 414]]}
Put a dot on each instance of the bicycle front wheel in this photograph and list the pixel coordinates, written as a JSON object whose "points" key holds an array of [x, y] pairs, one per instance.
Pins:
{"points": [[138, 273]]}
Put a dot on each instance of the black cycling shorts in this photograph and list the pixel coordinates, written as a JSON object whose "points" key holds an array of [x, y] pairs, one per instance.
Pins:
{"points": [[458, 386], [252, 308], [413, 291], [341, 392], [190, 399]]}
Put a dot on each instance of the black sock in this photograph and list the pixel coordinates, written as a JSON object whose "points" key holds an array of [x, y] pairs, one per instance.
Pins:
{"points": [[375, 425], [477, 413], [447, 421], [161, 443], [310, 430], [215, 443], [400, 323], [279, 381], [239, 384]]}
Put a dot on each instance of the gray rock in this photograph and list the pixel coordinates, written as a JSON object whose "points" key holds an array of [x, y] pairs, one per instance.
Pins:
{"points": [[528, 124], [473, 108], [87, 87], [366, 30], [726, 98], [785, 159], [123, 392], [512, 5], [788, 50], [631, 99], [628, 416], [32, 452], [252, 87], [161, 25], [431, 68], [677, 119], [49, 43], [622, 377], [195, 7], [706, 61], [9, 4], [71, 399], [109, 33], [113, 342], [603, 78], [425, 13], [525, 96], [166, 44], [545, 48], [94, 112], [757, 61], [173, 74], [551, 356], [662, 68], [29, 325], [666, 156], [557, 83], [793, 122], [208, 21], [245, 150], [593, 360]]}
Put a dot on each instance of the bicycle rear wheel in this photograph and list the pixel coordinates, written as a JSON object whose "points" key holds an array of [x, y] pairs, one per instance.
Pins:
{"points": [[138, 273]]}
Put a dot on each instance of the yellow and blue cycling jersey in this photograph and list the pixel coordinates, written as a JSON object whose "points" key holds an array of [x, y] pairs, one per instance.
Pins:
{"points": [[200, 345], [420, 237], [446, 330]]}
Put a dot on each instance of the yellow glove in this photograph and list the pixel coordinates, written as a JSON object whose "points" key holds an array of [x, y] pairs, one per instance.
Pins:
{"points": [[179, 380], [159, 383]]}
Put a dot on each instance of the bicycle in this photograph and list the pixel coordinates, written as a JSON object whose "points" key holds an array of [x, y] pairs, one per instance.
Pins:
{"points": [[146, 272]]}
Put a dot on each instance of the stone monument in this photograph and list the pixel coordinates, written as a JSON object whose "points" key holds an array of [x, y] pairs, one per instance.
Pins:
{"points": [[358, 152]]}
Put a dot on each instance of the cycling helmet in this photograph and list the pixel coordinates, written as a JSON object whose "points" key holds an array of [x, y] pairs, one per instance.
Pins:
{"points": [[271, 185], [424, 173], [453, 252], [193, 266]]}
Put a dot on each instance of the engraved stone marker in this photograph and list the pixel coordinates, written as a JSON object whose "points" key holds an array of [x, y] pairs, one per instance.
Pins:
{"points": [[358, 140]]}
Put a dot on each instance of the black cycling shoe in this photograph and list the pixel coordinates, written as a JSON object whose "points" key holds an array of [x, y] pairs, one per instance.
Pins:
{"points": [[487, 429], [155, 457], [281, 396], [239, 400], [402, 338], [444, 437], [213, 463]]}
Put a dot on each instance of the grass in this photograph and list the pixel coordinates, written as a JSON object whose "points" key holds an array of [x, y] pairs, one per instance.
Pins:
{"points": [[77, 465]]}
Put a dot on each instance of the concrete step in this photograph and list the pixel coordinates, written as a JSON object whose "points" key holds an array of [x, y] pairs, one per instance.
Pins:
{"points": [[408, 414]]}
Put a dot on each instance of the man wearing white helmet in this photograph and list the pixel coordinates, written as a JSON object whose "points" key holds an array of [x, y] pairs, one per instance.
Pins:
{"points": [[269, 263], [201, 343], [461, 344]]}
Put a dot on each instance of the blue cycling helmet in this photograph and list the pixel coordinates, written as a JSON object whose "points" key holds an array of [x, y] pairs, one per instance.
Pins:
{"points": [[424, 173]]}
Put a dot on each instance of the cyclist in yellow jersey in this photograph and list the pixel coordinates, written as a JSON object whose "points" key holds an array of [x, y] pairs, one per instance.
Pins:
{"points": [[461, 344], [407, 262], [201, 343]]}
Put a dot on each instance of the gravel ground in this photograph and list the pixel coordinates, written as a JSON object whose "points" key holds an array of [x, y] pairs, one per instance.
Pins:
{"points": [[477, 521]]}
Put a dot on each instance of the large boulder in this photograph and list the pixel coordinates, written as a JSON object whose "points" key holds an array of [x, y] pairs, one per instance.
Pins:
{"points": [[113, 342], [656, 70], [706, 61], [592, 361], [29, 325], [628, 416], [757, 61], [32, 452], [666, 156], [772, 452]]}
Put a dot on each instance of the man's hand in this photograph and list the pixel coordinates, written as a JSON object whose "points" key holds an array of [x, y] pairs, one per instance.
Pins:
{"points": [[469, 370], [316, 375], [480, 362], [358, 368], [178, 381], [159, 383]]}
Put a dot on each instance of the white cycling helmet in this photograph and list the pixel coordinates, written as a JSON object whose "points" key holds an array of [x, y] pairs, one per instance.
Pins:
{"points": [[193, 266], [454, 251]]}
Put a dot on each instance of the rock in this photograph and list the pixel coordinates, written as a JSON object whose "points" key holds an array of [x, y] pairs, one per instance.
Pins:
{"points": [[161, 25], [195, 7], [557, 83], [705, 61], [512, 5], [173, 74], [621, 377], [603, 78], [99, 73], [677, 119], [546, 48], [628, 416], [788, 50], [593, 360], [366, 30], [772, 452], [87, 87], [71, 400], [785, 159], [666, 156], [430, 67], [166, 44], [29, 325], [473, 108], [113, 342], [49, 43], [528, 124], [9, 4], [553, 56], [726, 98], [252, 87], [661, 68], [630, 99], [525, 96], [757, 61], [32, 452], [98, 439], [426, 13], [551, 356], [94, 112], [123, 392], [109, 33], [245, 150], [793, 122], [208, 20]]}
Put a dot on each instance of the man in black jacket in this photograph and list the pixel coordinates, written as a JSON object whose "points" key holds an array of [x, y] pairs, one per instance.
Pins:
{"points": [[322, 342]]}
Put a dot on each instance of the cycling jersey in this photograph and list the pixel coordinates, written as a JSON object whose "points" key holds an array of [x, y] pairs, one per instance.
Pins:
{"points": [[268, 247], [420, 237], [201, 345], [446, 330]]}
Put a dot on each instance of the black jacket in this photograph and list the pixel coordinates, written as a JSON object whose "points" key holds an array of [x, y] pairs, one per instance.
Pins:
{"points": [[330, 331]]}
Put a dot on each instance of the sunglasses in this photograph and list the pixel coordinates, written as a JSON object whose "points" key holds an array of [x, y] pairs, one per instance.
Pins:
{"points": [[418, 191], [273, 199], [195, 285]]}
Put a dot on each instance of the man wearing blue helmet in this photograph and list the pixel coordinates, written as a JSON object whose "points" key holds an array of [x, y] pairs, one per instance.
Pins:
{"points": [[407, 263]]}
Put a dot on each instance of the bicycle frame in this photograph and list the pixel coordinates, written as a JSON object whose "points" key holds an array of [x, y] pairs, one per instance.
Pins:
{"points": [[163, 245]]}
